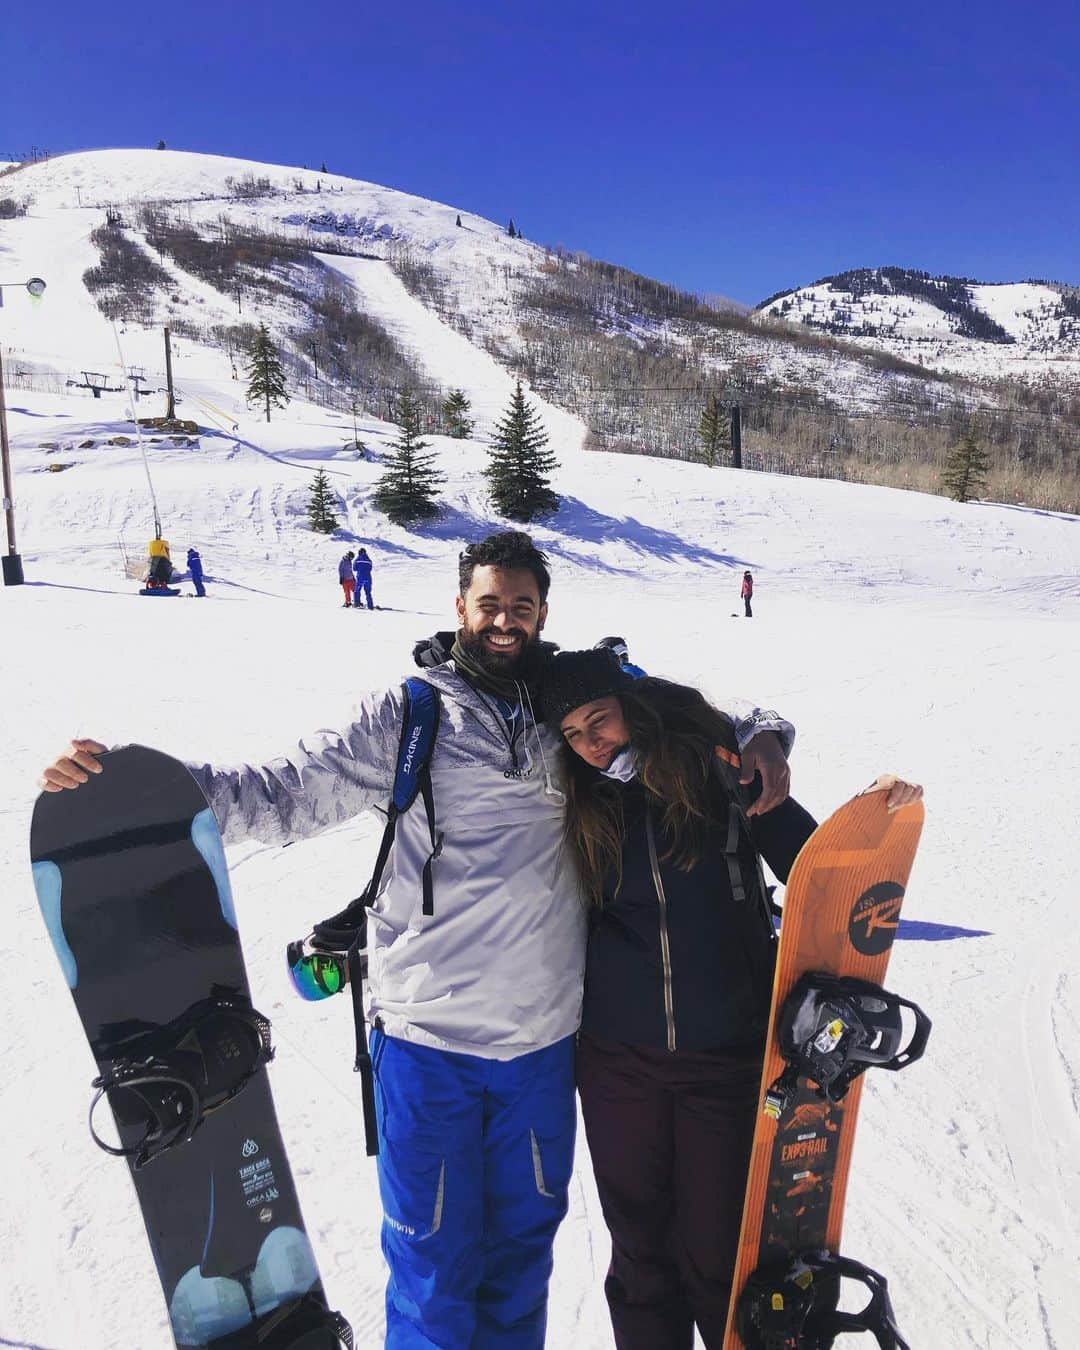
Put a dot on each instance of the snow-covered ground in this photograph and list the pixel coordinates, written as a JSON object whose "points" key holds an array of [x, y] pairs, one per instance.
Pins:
{"points": [[898, 631]]}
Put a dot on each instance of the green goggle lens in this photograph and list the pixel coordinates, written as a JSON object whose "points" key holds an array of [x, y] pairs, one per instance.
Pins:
{"points": [[317, 975]]}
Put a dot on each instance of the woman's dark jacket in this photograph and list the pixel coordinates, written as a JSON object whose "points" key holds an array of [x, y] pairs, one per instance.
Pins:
{"points": [[691, 969]]}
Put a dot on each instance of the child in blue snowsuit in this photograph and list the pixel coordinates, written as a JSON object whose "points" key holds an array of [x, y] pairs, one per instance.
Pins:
{"points": [[362, 568], [194, 563]]}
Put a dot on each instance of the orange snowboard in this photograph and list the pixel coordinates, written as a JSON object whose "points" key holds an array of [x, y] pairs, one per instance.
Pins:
{"points": [[841, 910]]}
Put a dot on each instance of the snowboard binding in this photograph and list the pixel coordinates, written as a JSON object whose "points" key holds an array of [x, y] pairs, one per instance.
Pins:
{"points": [[303, 1325], [163, 1082], [793, 1305], [832, 1028]]}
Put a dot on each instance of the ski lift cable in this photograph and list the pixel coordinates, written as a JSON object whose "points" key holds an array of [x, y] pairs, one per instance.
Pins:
{"points": [[138, 430]]}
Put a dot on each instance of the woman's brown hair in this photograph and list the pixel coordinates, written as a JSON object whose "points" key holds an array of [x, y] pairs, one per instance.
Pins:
{"points": [[674, 732]]}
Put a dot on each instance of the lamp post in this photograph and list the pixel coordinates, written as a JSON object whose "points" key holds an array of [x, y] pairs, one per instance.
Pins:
{"points": [[12, 563]]}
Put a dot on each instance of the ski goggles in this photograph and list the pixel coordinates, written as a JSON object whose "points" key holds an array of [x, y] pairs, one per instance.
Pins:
{"points": [[315, 974]]}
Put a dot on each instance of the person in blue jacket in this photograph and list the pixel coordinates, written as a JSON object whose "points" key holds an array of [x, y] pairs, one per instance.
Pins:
{"points": [[362, 568], [194, 563]]}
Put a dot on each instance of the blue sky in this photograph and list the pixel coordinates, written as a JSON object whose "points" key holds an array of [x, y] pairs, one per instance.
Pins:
{"points": [[737, 150]]}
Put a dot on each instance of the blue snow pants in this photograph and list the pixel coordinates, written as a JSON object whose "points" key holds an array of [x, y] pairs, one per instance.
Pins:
{"points": [[475, 1158]]}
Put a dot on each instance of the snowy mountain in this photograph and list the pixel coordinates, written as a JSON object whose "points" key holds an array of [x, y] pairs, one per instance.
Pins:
{"points": [[367, 289], [1026, 330]]}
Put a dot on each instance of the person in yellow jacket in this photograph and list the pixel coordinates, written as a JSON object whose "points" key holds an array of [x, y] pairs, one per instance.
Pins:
{"points": [[160, 569]]}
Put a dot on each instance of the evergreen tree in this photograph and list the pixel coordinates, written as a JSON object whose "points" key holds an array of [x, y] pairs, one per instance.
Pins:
{"points": [[510, 230], [520, 464], [459, 222], [161, 145], [320, 509], [266, 378], [323, 169], [714, 432], [966, 468], [406, 491], [455, 409]]}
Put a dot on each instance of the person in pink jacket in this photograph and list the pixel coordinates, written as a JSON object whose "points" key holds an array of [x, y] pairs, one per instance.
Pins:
{"points": [[747, 593]]}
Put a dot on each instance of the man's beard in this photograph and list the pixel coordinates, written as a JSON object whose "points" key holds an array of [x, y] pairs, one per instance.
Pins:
{"points": [[495, 663]]}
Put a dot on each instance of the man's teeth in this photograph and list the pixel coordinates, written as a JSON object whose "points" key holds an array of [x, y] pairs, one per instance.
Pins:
{"points": [[501, 641]]}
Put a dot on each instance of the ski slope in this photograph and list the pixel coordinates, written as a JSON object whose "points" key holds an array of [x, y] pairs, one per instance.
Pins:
{"points": [[898, 631]]}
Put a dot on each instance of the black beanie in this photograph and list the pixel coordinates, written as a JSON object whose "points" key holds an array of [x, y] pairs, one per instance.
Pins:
{"points": [[573, 678]]}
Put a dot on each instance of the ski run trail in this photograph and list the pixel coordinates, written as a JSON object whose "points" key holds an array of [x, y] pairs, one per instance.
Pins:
{"points": [[898, 631]]}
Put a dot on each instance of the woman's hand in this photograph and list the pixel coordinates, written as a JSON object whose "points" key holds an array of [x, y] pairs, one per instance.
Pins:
{"points": [[901, 792], [73, 767]]}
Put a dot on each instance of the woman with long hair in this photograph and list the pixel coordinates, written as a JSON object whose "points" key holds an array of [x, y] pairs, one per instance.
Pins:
{"points": [[678, 981]]}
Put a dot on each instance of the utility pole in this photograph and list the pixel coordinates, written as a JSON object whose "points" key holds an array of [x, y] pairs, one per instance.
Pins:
{"points": [[736, 436], [170, 404], [12, 567], [12, 563]]}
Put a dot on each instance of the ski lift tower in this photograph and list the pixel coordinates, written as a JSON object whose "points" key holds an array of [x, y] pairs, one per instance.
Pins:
{"points": [[12, 563]]}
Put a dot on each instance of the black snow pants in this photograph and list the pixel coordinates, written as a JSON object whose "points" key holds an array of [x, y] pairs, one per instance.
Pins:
{"points": [[670, 1136]]}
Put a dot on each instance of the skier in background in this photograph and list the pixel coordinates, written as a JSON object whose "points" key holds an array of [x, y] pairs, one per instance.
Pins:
{"points": [[362, 568], [345, 576], [159, 571], [194, 563], [747, 593]]}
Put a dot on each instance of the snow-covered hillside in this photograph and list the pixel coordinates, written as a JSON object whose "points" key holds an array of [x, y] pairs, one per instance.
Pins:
{"points": [[1037, 324], [899, 631], [478, 284], [68, 197]]}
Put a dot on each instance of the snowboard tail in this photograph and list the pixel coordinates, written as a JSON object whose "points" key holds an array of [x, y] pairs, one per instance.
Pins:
{"points": [[134, 890], [841, 913]]}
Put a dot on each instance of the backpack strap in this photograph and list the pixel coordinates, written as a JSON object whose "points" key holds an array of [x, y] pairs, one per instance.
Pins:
{"points": [[730, 762], [412, 777]]}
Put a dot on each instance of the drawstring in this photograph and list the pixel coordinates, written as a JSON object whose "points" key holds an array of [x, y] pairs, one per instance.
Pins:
{"points": [[550, 790]]}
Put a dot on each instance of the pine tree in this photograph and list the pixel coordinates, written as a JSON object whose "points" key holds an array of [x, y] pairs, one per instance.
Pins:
{"points": [[510, 230], [459, 221], [320, 509], [520, 464], [966, 468], [266, 378], [714, 432], [406, 491], [455, 410]]}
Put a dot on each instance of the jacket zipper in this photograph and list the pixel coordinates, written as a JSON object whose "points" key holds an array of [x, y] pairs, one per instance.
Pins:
{"points": [[665, 945]]}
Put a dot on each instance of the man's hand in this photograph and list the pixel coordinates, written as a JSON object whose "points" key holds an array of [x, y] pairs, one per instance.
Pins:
{"points": [[73, 767], [765, 755]]}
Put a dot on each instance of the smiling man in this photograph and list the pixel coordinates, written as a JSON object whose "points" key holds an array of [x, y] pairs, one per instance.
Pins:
{"points": [[475, 998]]}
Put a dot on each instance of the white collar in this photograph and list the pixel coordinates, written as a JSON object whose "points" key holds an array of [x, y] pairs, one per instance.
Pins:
{"points": [[623, 767]]}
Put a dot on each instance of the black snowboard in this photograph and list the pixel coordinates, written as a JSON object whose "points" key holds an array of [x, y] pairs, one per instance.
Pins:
{"points": [[131, 879]]}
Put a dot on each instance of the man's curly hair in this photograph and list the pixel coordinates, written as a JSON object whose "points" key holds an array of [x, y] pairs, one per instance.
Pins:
{"points": [[512, 550]]}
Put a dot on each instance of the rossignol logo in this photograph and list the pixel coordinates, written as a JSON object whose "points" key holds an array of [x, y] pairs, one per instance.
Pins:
{"points": [[411, 751], [874, 918], [250, 1148]]}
